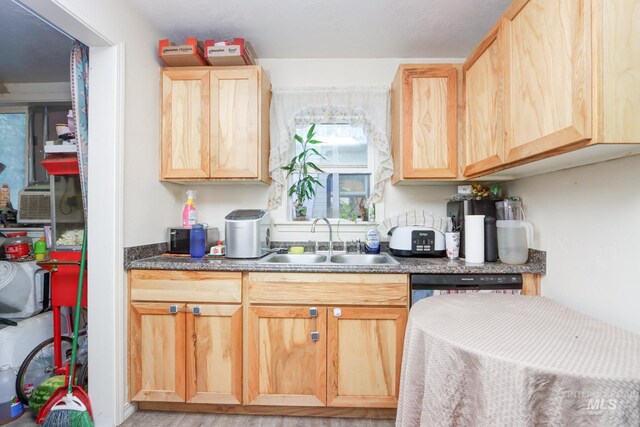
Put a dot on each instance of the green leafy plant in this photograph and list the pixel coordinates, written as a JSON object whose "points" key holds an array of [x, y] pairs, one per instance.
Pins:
{"points": [[346, 211], [301, 166]]}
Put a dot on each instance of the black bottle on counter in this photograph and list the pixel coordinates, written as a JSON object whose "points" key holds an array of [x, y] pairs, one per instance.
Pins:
{"points": [[490, 239]]}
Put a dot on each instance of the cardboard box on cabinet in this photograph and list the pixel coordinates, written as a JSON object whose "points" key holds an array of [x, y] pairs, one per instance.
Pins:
{"points": [[223, 53], [186, 55]]}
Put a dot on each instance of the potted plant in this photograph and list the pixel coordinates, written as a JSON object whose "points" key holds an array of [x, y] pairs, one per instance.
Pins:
{"points": [[300, 167]]}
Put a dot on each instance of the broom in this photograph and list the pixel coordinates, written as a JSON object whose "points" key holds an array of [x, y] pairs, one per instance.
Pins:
{"points": [[69, 405]]}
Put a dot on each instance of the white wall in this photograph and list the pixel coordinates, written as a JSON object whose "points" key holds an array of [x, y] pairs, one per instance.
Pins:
{"points": [[588, 221], [340, 71], [215, 201], [145, 198]]}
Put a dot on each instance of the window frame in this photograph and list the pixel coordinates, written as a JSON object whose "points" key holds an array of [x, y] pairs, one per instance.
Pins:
{"points": [[337, 170]]}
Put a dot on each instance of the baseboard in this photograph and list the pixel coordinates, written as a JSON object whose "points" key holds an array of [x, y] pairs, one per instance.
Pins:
{"points": [[385, 413], [130, 408]]}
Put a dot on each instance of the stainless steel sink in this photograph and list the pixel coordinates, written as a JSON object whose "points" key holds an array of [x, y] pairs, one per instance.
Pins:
{"points": [[350, 259], [360, 259], [295, 259]]}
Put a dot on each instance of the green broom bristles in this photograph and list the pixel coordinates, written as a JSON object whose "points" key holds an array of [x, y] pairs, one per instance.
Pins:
{"points": [[68, 418], [68, 412]]}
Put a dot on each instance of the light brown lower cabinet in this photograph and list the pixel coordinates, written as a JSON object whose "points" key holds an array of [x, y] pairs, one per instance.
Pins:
{"points": [[157, 358], [325, 356], [214, 354], [287, 365], [323, 344], [364, 353], [185, 337], [186, 353]]}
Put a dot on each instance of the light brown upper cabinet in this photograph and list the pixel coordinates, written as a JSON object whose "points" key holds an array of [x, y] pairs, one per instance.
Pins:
{"points": [[484, 105], [547, 76], [561, 78], [424, 121], [215, 124], [185, 123]]}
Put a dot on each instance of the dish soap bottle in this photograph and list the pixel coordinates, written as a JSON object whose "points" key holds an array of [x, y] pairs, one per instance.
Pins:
{"points": [[189, 213], [372, 241]]}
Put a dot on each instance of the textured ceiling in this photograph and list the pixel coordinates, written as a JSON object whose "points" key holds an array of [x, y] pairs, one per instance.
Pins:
{"points": [[332, 28], [30, 50]]}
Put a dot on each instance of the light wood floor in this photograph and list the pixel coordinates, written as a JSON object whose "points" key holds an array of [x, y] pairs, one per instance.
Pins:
{"points": [[178, 419]]}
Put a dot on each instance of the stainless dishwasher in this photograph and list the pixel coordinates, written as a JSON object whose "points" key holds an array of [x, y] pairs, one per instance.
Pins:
{"points": [[428, 285]]}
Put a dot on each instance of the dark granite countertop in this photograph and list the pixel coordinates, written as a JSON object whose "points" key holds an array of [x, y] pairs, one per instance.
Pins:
{"points": [[535, 265]]}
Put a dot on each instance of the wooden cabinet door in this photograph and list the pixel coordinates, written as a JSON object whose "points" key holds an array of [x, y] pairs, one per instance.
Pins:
{"points": [[286, 366], [235, 141], [214, 354], [364, 353], [185, 124], [484, 101], [427, 148], [547, 76], [157, 344]]}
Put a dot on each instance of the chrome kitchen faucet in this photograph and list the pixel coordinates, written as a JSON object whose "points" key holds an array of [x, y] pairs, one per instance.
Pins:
{"points": [[313, 230]]}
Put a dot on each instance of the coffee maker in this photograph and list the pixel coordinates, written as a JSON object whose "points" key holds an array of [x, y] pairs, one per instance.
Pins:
{"points": [[457, 210]]}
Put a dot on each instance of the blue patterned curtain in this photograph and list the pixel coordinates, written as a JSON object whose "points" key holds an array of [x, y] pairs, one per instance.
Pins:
{"points": [[80, 102]]}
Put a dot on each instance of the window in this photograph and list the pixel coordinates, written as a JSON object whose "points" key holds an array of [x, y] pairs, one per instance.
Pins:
{"points": [[13, 137], [352, 123], [23, 132], [347, 170]]}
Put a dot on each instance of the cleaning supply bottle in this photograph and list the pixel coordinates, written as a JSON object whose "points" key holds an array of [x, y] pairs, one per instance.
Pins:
{"points": [[189, 213], [372, 241], [40, 248]]}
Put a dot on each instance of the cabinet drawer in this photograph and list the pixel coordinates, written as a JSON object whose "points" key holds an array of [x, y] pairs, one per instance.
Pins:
{"points": [[185, 286], [323, 289]]}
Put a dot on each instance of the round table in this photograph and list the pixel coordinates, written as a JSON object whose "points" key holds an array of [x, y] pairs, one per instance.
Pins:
{"points": [[511, 360]]}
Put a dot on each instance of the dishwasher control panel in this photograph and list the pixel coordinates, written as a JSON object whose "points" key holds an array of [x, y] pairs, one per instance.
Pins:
{"points": [[452, 280], [428, 285]]}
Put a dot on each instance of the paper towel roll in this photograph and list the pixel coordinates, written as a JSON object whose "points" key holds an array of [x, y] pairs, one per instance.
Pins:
{"points": [[474, 238]]}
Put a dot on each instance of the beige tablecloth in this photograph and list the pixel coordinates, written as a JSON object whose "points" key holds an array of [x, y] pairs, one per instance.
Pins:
{"points": [[509, 360]]}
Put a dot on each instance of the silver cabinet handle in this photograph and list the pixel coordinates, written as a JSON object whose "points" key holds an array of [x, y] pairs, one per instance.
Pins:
{"points": [[173, 309], [315, 336], [196, 310], [337, 312], [313, 312]]}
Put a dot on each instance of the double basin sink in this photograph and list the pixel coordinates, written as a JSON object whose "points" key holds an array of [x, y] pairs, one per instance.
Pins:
{"points": [[349, 259]]}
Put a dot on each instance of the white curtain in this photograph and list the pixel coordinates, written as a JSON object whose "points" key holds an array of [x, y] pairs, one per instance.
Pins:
{"points": [[359, 106]]}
